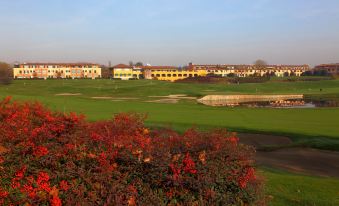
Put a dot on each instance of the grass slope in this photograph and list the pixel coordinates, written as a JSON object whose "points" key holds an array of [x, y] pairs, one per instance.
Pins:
{"points": [[299, 190]]}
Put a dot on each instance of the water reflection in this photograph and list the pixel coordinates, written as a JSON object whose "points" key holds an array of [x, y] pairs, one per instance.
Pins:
{"points": [[289, 103]]}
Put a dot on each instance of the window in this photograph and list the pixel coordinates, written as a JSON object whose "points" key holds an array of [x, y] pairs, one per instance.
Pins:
{"points": [[158, 75], [95, 71], [180, 75], [174, 75], [185, 75], [169, 75], [195, 75], [163, 75], [152, 75]]}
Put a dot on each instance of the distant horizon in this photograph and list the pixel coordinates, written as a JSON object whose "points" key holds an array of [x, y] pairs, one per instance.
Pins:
{"points": [[161, 32]]}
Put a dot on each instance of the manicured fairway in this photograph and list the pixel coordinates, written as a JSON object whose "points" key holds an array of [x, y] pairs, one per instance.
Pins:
{"points": [[322, 122], [317, 127]]}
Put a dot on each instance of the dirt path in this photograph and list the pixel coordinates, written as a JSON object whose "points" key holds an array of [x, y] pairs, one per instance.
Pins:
{"points": [[300, 160]]}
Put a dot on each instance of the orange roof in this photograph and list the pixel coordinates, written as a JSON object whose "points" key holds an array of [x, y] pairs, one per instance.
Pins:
{"points": [[61, 64], [122, 66], [159, 67]]}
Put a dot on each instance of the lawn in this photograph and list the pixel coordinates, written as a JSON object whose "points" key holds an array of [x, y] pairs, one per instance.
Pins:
{"points": [[316, 127], [284, 188]]}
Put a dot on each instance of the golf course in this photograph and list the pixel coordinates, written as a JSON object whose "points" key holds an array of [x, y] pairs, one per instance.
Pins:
{"points": [[313, 130]]}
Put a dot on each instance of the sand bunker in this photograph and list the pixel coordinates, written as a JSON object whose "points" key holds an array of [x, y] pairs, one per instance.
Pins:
{"points": [[68, 94], [301, 160], [102, 97], [115, 98], [166, 101], [175, 96]]}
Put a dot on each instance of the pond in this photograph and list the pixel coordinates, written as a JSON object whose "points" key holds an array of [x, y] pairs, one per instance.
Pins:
{"points": [[269, 101]]}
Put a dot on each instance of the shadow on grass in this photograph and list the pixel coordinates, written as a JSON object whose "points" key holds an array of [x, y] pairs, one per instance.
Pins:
{"points": [[298, 140]]}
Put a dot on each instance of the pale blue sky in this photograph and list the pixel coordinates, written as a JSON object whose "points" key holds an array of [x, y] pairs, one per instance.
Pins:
{"points": [[171, 32]]}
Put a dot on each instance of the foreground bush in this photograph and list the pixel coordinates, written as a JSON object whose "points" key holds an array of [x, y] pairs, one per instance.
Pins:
{"points": [[49, 158]]}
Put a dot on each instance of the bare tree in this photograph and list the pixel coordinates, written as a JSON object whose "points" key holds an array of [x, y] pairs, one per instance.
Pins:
{"points": [[5, 73], [260, 64]]}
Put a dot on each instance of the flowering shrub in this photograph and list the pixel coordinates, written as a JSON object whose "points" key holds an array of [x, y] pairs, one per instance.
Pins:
{"points": [[49, 158]]}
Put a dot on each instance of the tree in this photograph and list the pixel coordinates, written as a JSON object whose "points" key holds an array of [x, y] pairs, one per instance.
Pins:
{"points": [[260, 64], [130, 63], [5, 73], [139, 64], [286, 74], [106, 72], [231, 75], [307, 73]]}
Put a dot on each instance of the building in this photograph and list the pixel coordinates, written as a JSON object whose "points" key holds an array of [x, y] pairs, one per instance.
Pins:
{"points": [[56, 70], [250, 70], [125, 72], [164, 73], [332, 69], [168, 73]]}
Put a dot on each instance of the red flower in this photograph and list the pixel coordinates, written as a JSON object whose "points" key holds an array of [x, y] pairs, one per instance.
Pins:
{"points": [[20, 173], [44, 186], [15, 184], [29, 190], [95, 137], [3, 194], [40, 151], [43, 177], [189, 165], [234, 140], [64, 185], [176, 171], [69, 146], [249, 175], [55, 201], [42, 181]]}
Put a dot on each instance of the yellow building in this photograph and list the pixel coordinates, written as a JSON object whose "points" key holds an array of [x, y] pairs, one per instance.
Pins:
{"points": [[56, 70], [125, 72], [168, 73], [250, 70]]}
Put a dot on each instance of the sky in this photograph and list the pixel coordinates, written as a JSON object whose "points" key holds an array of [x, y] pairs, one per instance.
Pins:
{"points": [[170, 32]]}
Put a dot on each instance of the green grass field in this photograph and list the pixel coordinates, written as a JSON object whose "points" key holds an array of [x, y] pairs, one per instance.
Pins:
{"points": [[316, 127]]}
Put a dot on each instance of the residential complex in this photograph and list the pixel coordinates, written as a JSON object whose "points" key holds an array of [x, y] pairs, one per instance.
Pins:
{"points": [[56, 70], [172, 73], [252, 70], [165, 73], [332, 69]]}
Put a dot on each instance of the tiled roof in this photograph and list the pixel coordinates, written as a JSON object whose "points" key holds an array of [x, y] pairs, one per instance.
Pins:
{"points": [[62, 64], [122, 66], [159, 67]]}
